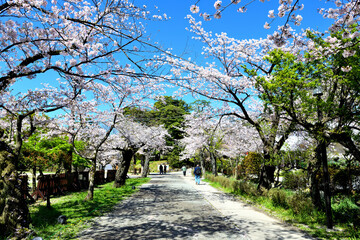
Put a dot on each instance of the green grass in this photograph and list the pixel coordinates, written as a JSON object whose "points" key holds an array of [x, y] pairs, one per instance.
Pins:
{"points": [[313, 223], [78, 212], [153, 166]]}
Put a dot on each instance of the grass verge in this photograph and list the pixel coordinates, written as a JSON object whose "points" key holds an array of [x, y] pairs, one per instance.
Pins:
{"points": [[78, 212], [313, 222]]}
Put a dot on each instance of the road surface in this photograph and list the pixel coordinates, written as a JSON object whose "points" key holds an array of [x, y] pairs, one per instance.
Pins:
{"points": [[172, 206]]}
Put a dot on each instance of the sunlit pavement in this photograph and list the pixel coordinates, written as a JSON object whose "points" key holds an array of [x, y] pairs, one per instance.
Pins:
{"points": [[173, 207]]}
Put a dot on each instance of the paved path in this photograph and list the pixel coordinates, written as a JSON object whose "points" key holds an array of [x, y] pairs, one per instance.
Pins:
{"points": [[173, 207]]}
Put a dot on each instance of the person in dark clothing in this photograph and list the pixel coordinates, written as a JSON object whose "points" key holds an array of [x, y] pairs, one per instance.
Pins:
{"points": [[197, 173], [161, 169], [165, 168]]}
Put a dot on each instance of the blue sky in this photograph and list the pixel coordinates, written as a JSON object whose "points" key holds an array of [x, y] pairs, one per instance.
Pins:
{"points": [[173, 34], [247, 25]]}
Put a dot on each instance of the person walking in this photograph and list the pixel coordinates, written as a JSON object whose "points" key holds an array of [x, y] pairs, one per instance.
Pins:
{"points": [[184, 170], [197, 173], [165, 168], [161, 169]]}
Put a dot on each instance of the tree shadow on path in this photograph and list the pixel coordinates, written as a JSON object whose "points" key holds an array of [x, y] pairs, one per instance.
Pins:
{"points": [[170, 208]]}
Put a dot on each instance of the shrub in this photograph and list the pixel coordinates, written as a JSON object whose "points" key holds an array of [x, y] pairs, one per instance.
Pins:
{"points": [[278, 197], [251, 165], [241, 187], [345, 210], [234, 185], [341, 178], [295, 180], [264, 191], [252, 190], [245, 187], [224, 181], [300, 203], [210, 177], [225, 167]]}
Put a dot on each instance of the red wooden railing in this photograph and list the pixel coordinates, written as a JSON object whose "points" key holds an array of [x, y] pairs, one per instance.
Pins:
{"points": [[51, 184]]}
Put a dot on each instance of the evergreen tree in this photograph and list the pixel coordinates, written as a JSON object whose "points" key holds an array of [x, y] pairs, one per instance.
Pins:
{"points": [[169, 112]]}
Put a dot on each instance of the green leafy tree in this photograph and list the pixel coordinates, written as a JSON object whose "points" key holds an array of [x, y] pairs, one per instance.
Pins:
{"points": [[49, 153], [251, 165], [292, 83], [144, 116], [169, 112], [329, 115]]}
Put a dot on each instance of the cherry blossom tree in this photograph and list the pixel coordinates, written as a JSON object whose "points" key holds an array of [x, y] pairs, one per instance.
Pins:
{"points": [[94, 121], [84, 43], [201, 134], [87, 123], [230, 80], [336, 48], [94, 130], [88, 40], [21, 115], [224, 137], [287, 13], [155, 140], [238, 140], [131, 137]]}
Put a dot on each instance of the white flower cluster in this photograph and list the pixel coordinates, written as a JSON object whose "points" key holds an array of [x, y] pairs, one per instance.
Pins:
{"points": [[194, 9], [280, 37], [217, 5], [346, 69], [345, 15], [286, 7], [66, 36]]}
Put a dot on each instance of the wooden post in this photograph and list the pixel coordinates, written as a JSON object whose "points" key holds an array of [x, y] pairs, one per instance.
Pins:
{"points": [[48, 192]]}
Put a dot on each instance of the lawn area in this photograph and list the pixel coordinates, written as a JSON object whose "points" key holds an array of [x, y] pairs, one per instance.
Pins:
{"points": [[78, 212], [153, 166]]}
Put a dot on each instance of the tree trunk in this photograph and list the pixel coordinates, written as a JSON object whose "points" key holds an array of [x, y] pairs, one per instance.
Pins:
{"points": [[135, 170], [90, 195], [122, 171], [202, 163], [34, 179], [277, 176], [267, 176], [267, 173], [349, 171], [222, 166], [314, 183], [236, 172], [213, 164], [327, 192], [15, 217], [146, 165], [48, 190], [142, 163]]}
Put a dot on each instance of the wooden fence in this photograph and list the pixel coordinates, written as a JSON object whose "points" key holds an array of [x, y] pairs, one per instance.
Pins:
{"points": [[25, 187], [51, 184]]}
